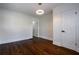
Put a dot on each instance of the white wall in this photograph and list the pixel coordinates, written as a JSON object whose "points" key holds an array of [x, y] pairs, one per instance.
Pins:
{"points": [[46, 26], [15, 26]]}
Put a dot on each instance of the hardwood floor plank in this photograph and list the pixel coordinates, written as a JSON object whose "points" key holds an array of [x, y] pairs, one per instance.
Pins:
{"points": [[35, 46]]}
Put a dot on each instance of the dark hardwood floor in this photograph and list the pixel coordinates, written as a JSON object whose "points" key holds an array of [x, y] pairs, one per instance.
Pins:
{"points": [[35, 46]]}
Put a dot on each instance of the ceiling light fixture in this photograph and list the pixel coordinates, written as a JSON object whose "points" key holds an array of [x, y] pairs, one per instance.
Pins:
{"points": [[40, 12]]}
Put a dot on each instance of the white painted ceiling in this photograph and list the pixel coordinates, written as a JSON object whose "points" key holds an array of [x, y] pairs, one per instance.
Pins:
{"points": [[29, 8]]}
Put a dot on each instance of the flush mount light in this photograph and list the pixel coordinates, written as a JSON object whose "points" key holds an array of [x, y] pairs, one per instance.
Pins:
{"points": [[40, 12]]}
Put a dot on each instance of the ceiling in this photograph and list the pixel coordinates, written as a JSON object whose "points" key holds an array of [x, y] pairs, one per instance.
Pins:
{"points": [[29, 8]]}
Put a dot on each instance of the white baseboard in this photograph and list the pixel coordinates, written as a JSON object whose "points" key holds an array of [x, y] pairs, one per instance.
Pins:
{"points": [[45, 38], [57, 43], [14, 40]]}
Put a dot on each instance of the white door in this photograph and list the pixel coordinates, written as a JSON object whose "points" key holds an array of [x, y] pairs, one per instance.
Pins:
{"points": [[77, 29], [68, 29]]}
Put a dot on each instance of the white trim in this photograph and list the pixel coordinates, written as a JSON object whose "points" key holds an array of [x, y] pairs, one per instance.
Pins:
{"points": [[14, 40], [38, 27], [57, 43]]}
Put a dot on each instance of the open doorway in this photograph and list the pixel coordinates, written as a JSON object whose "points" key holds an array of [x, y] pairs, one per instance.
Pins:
{"points": [[35, 28]]}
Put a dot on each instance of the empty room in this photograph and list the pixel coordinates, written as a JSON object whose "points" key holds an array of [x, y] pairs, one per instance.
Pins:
{"points": [[39, 29]]}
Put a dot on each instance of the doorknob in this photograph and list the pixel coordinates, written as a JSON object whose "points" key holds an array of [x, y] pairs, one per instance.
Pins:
{"points": [[62, 31]]}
